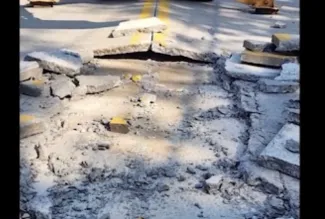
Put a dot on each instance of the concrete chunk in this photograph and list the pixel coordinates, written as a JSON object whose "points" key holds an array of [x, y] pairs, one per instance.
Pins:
{"points": [[293, 115], [29, 70], [258, 46], [267, 180], [57, 61], [290, 72], [286, 42], [30, 125], [275, 86], [214, 181], [266, 59], [98, 83], [62, 87], [86, 55], [118, 125], [236, 69], [276, 156], [32, 88], [146, 25]]}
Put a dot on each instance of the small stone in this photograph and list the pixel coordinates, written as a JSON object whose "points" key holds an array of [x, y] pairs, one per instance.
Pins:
{"points": [[181, 178], [32, 88], [279, 24], [197, 205], [104, 121], [161, 187], [29, 70], [30, 125], [198, 186], [103, 146], [190, 170], [62, 87], [276, 203], [293, 115], [136, 78], [98, 83], [258, 46], [119, 125], [56, 61], [276, 86], [40, 153], [145, 25], [201, 167], [266, 59], [292, 146], [214, 181], [286, 42]]}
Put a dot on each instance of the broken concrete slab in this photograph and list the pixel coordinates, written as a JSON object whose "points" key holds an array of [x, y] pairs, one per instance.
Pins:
{"points": [[118, 125], [113, 46], [265, 179], [86, 55], [166, 43], [145, 25], [266, 59], [29, 70], [286, 42], [214, 181], [276, 86], [235, 69], [289, 72], [30, 125], [245, 93], [62, 87], [32, 88], [258, 46], [276, 156], [57, 61], [98, 83]]}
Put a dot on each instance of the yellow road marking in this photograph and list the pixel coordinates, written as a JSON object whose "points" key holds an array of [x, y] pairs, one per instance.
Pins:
{"points": [[26, 118], [146, 12], [162, 14]]}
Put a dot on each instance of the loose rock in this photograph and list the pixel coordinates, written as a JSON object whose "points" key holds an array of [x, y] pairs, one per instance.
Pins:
{"points": [[214, 181], [118, 125], [286, 42], [161, 187], [98, 83], [279, 24], [276, 86], [259, 46], [30, 125], [62, 87], [190, 170], [57, 61], [30, 70]]}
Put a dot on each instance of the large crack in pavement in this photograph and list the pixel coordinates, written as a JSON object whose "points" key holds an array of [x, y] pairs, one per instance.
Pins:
{"points": [[184, 155]]}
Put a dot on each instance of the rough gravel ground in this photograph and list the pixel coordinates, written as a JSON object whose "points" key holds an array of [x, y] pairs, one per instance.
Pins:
{"points": [[157, 170]]}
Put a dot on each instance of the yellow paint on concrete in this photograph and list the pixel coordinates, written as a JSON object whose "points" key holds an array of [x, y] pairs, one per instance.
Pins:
{"points": [[282, 36], [146, 12], [37, 82], [163, 15], [118, 121], [136, 78], [25, 118]]}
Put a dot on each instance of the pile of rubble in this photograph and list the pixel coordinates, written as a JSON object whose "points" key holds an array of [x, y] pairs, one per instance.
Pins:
{"points": [[265, 79]]}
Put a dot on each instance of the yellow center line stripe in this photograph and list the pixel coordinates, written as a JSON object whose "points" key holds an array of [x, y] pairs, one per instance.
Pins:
{"points": [[146, 12], [162, 14]]}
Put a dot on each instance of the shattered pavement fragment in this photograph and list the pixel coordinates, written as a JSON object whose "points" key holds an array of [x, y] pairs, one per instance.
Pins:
{"points": [[267, 180], [57, 61], [276, 156], [136, 78], [29, 70], [258, 46], [276, 86], [145, 25], [62, 87], [119, 125], [98, 83], [30, 125], [86, 55], [32, 88], [266, 59], [236, 69], [289, 72], [286, 42]]}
